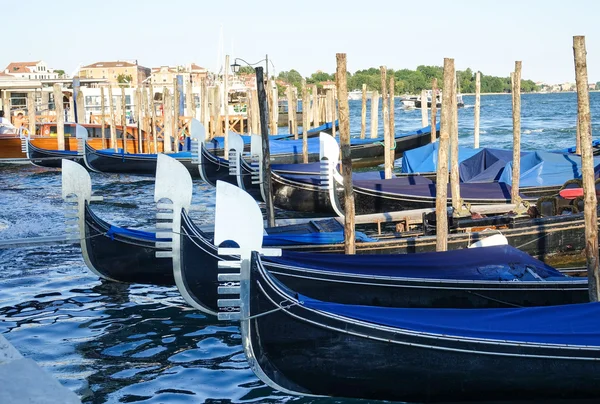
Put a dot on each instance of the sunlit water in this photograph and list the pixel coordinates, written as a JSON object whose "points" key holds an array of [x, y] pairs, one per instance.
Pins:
{"points": [[122, 343]]}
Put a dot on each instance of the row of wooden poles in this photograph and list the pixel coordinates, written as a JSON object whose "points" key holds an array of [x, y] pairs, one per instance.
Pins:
{"points": [[449, 142]]}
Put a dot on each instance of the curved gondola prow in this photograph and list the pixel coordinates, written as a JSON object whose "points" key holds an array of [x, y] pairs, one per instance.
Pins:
{"points": [[239, 219], [77, 192], [256, 158], [81, 134], [330, 177], [172, 193], [198, 137], [236, 149]]}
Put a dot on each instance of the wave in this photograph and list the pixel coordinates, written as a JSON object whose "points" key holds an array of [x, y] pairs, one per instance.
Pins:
{"points": [[529, 131]]}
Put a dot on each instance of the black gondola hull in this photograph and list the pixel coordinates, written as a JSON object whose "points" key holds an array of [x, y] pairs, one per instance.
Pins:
{"points": [[50, 158], [124, 258], [300, 350]]}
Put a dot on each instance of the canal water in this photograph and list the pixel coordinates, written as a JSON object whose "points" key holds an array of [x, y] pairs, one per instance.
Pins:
{"points": [[119, 343]]}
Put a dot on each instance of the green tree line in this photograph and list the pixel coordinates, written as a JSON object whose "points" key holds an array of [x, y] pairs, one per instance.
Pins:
{"points": [[410, 81]]}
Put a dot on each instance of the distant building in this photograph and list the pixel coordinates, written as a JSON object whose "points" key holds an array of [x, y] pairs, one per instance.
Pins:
{"points": [[30, 70], [592, 86], [166, 74], [112, 70], [328, 85]]}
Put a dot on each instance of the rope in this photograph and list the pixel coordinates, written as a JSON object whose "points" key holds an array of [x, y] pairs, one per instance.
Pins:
{"points": [[383, 145], [280, 307], [492, 299]]}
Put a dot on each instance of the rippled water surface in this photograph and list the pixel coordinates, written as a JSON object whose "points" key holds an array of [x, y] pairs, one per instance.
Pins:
{"points": [[120, 343]]}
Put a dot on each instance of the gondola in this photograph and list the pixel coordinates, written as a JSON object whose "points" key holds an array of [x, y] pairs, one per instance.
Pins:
{"points": [[109, 161], [408, 280], [322, 193], [113, 253], [53, 158], [299, 345]]}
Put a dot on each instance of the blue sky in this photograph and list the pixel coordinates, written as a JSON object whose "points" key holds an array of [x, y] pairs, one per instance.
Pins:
{"points": [[305, 35]]}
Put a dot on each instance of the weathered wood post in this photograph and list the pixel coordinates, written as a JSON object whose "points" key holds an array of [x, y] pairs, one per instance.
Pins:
{"points": [[295, 112], [374, 113], [587, 168], [175, 104], [288, 96], [344, 111], [152, 106], [60, 116], [31, 112], [167, 121], [113, 118], [275, 116], [516, 117], [424, 117], [363, 112], [103, 117], [315, 106], [189, 99], [204, 107], [434, 88], [266, 163], [271, 103], [305, 121], [124, 117], [71, 113], [393, 115], [457, 203], [387, 154], [80, 106], [226, 106], [441, 186], [477, 109], [137, 114]]}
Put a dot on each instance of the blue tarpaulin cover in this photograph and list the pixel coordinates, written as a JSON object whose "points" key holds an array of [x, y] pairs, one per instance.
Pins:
{"points": [[487, 165], [335, 237], [495, 263], [488, 191], [566, 324], [424, 159], [285, 146], [546, 169]]}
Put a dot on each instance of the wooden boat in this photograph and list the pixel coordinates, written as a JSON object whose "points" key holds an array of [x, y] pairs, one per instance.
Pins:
{"points": [[299, 345], [407, 280], [13, 147], [111, 252], [108, 161]]}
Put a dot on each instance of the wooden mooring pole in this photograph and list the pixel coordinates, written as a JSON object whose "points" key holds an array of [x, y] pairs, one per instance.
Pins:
{"points": [[477, 110], [226, 106], [167, 121], [103, 117], [441, 187], [315, 106], [31, 112], [60, 116], [516, 117], [424, 116], [113, 125], [363, 114], [124, 118], [344, 122], [264, 129], [392, 115], [454, 174], [152, 106], [374, 114], [434, 88], [587, 168], [305, 121], [387, 155]]}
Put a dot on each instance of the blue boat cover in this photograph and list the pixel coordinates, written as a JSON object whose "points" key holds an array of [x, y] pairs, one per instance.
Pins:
{"points": [[495, 263], [121, 153], [335, 237], [279, 239], [294, 146], [298, 168], [487, 165], [139, 234], [424, 159], [573, 149], [567, 324], [421, 189], [367, 179], [546, 169]]}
